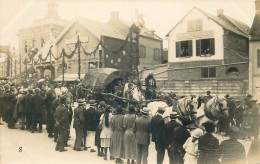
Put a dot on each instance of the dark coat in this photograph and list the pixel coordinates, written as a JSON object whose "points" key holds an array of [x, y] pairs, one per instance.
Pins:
{"points": [[169, 132], [62, 116], [142, 129], [78, 122], [9, 101], [55, 103], [208, 146], [37, 104], [157, 128], [91, 119], [28, 102]]}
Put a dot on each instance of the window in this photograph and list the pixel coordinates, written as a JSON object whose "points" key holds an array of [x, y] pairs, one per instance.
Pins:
{"points": [[195, 25], [209, 72], [232, 70], [258, 58], [205, 47], [142, 51], [156, 54], [184, 48]]}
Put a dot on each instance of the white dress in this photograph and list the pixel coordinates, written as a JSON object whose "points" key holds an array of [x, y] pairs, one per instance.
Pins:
{"points": [[106, 132], [191, 148]]}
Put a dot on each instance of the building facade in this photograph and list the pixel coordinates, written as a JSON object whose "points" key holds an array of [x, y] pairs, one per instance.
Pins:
{"points": [[208, 52], [254, 58]]}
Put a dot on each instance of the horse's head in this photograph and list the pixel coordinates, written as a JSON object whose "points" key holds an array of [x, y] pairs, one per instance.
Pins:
{"points": [[187, 106]]}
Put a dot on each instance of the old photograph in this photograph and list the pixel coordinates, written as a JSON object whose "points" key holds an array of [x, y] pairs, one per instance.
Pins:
{"points": [[129, 81]]}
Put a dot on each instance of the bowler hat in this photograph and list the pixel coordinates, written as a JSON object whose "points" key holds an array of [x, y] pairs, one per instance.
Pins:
{"points": [[102, 103], [173, 115], [81, 102]]}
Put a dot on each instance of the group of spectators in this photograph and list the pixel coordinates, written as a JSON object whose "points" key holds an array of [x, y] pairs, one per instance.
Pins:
{"points": [[123, 131]]}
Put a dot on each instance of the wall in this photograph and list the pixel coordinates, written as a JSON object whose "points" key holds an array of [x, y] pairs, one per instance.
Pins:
{"points": [[210, 29], [150, 44], [72, 64]]}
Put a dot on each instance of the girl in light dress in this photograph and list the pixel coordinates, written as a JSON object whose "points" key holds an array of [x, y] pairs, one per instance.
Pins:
{"points": [[191, 147]]}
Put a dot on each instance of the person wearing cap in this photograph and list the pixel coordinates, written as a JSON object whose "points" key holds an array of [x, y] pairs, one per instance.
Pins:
{"points": [[91, 123], [37, 110], [157, 129], [232, 151], [129, 140], [208, 145], [61, 116], [169, 134], [142, 129], [78, 124], [28, 100], [191, 147], [181, 134], [117, 144]]}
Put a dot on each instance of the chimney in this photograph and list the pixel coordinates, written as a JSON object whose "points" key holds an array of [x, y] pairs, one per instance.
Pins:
{"points": [[114, 17], [220, 12], [257, 5]]}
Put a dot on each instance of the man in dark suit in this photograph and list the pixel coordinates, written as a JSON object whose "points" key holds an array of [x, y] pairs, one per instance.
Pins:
{"points": [[90, 117], [37, 113], [141, 129], [78, 124], [169, 134], [9, 103], [55, 103], [157, 129], [28, 102], [62, 122]]}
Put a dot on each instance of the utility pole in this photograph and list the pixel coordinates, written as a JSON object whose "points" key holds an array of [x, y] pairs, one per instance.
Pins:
{"points": [[63, 66], [79, 66]]}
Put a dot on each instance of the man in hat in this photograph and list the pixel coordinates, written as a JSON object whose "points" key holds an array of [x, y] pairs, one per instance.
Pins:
{"points": [[37, 110], [231, 109], [141, 129], [181, 134], [78, 124], [254, 117], [28, 105], [208, 145], [169, 133], [62, 123], [207, 98], [9, 104], [157, 129], [22, 107], [239, 113], [55, 103], [231, 150], [174, 102], [91, 123]]}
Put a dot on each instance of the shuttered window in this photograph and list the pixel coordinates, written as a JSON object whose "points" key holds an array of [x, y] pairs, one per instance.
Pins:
{"points": [[184, 48], [194, 25], [156, 54], [205, 47]]}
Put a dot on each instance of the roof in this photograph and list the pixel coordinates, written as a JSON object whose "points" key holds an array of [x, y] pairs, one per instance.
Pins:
{"points": [[255, 29], [229, 23], [45, 21]]}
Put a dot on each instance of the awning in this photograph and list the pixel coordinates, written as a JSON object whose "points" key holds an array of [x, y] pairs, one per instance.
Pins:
{"points": [[103, 76], [69, 77]]}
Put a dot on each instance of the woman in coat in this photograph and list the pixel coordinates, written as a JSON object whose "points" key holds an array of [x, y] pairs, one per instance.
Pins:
{"points": [[129, 137], [117, 143]]}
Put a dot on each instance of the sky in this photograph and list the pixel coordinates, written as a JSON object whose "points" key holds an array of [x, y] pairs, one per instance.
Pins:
{"points": [[159, 15]]}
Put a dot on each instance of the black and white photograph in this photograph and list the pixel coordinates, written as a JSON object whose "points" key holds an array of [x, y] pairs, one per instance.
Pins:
{"points": [[129, 81]]}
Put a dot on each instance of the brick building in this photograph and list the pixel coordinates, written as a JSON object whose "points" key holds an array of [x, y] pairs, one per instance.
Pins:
{"points": [[206, 52]]}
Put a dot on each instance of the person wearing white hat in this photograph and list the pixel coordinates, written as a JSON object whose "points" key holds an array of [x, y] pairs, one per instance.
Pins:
{"points": [[191, 147]]}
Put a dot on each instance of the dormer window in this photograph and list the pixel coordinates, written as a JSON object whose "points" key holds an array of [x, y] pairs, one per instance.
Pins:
{"points": [[195, 25]]}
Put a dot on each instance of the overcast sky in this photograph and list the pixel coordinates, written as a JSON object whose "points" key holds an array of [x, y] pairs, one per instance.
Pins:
{"points": [[160, 15]]}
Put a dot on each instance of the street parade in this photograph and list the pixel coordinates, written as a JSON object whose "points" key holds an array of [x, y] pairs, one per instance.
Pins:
{"points": [[135, 82]]}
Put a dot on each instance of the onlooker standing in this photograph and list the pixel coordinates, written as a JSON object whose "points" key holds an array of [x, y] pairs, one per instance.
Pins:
{"points": [[141, 129], [208, 145], [37, 113], [232, 151], [129, 137], [181, 134], [50, 125], [91, 124], [100, 111], [191, 147], [239, 114], [28, 102], [78, 124], [55, 103], [106, 132], [117, 143], [157, 129], [22, 108], [9, 104], [62, 122], [169, 134]]}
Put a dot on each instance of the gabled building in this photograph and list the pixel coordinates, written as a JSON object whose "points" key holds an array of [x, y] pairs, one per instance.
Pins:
{"points": [[208, 52], [254, 55]]}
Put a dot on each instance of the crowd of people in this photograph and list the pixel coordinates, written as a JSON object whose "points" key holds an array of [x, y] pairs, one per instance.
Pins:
{"points": [[124, 132]]}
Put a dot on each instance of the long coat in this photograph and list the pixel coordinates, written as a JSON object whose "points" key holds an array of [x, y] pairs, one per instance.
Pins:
{"points": [[157, 128], [78, 122], [208, 146], [142, 129], [91, 119], [37, 104], [28, 103], [169, 132], [62, 116]]}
